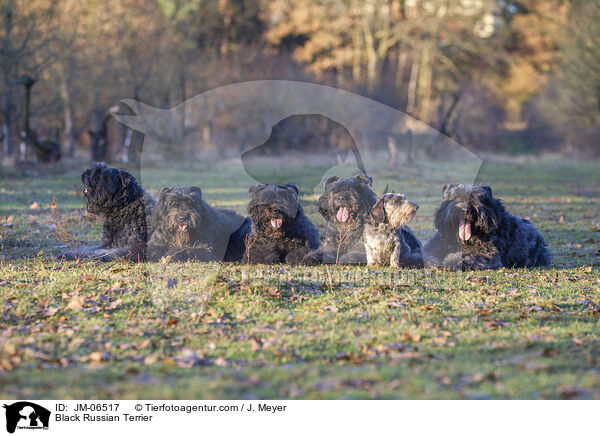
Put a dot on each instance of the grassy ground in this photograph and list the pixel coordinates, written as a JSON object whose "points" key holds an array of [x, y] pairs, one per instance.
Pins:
{"points": [[189, 330]]}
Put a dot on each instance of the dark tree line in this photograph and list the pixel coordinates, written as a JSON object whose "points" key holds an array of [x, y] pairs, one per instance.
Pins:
{"points": [[495, 75]]}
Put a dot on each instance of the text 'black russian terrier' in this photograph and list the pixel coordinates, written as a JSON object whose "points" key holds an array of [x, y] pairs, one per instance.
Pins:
{"points": [[475, 231], [281, 232]]}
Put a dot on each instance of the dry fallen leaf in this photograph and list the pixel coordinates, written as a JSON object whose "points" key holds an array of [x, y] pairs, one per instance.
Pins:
{"points": [[257, 344], [165, 260], [95, 357], [113, 305], [188, 359], [76, 302], [150, 359], [409, 337]]}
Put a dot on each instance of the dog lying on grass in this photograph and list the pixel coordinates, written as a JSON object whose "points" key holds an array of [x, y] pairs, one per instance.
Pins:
{"points": [[345, 204], [388, 239], [115, 196], [475, 231], [187, 228], [281, 232]]}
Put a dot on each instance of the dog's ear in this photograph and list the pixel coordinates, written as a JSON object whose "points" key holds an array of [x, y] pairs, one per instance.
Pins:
{"points": [[164, 191], [292, 188], [365, 179], [330, 180], [446, 188], [254, 189], [196, 196], [487, 189], [196, 190], [126, 178], [377, 211]]}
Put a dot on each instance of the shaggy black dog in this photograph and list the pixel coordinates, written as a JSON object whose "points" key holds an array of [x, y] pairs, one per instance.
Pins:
{"points": [[475, 231], [345, 204], [388, 239], [186, 227], [281, 232], [115, 196]]}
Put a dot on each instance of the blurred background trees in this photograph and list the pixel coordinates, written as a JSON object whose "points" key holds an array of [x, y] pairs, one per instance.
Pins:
{"points": [[499, 76]]}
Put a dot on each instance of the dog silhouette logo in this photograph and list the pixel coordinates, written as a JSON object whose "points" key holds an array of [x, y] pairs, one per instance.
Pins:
{"points": [[26, 415]]}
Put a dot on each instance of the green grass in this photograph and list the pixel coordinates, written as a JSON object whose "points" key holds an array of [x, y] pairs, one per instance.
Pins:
{"points": [[190, 330]]}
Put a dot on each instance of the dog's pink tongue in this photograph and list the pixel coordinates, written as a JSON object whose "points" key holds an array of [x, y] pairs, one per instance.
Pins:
{"points": [[183, 227], [464, 230], [342, 214], [277, 223]]}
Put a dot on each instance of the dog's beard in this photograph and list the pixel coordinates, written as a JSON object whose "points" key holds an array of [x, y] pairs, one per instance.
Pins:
{"points": [[398, 216], [184, 232], [182, 238]]}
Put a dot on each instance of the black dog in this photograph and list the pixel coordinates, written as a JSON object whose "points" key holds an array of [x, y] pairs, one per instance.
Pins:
{"points": [[345, 204], [186, 227], [281, 232], [475, 231], [115, 196]]}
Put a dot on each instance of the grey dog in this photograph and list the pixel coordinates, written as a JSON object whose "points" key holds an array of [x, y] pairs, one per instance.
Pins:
{"points": [[187, 228], [388, 239]]}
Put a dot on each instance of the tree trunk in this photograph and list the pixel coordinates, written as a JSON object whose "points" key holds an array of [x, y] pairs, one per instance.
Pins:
{"points": [[69, 119], [356, 56], [444, 121], [424, 82], [7, 128], [98, 144], [412, 87], [127, 145], [400, 67], [372, 60]]}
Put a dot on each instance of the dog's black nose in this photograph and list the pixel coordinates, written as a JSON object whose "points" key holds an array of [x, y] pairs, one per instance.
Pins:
{"points": [[182, 218], [341, 197]]}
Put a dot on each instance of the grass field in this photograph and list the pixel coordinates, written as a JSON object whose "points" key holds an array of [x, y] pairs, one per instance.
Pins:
{"points": [[214, 331]]}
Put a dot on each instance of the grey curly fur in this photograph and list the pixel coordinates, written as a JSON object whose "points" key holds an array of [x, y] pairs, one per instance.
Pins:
{"points": [[491, 236], [388, 240], [186, 227], [115, 196], [281, 232], [344, 242]]}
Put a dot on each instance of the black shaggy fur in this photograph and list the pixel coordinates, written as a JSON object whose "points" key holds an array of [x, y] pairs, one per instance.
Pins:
{"points": [[475, 231], [115, 196], [281, 232], [345, 204], [186, 228]]}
